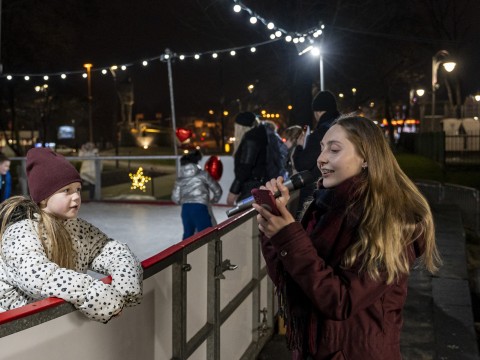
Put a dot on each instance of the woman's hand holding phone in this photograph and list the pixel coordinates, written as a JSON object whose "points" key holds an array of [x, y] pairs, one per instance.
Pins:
{"points": [[265, 198], [270, 222]]}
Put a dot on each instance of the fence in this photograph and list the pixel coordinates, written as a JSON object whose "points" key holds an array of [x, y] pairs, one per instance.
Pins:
{"points": [[112, 180], [445, 149], [198, 304], [465, 198]]}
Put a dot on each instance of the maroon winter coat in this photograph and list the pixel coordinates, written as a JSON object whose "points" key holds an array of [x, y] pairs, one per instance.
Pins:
{"points": [[340, 314]]}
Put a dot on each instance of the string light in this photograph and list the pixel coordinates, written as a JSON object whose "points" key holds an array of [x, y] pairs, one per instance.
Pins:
{"points": [[270, 25], [238, 7]]}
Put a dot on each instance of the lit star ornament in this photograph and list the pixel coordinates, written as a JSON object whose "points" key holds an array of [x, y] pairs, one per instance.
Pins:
{"points": [[139, 180]]}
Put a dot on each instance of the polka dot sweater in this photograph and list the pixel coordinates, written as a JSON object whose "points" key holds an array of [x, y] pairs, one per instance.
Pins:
{"points": [[27, 275]]}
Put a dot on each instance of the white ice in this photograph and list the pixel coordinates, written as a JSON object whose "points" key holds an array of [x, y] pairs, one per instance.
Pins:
{"points": [[146, 228]]}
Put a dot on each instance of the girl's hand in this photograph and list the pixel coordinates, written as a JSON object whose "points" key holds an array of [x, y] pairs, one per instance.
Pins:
{"points": [[268, 223]]}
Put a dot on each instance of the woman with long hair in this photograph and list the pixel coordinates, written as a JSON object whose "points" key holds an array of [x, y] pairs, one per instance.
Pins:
{"points": [[342, 272]]}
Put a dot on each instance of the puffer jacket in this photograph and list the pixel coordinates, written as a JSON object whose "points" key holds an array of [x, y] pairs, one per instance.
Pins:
{"points": [[27, 275], [193, 186]]}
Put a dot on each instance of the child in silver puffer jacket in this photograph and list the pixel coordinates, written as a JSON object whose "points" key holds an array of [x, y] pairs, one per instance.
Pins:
{"points": [[192, 190]]}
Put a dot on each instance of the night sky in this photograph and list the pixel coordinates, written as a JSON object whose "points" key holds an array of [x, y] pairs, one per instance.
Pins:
{"points": [[379, 47]]}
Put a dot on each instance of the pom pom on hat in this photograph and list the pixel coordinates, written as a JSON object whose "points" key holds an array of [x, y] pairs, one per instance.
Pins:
{"points": [[324, 101], [48, 172], [246, 119]]}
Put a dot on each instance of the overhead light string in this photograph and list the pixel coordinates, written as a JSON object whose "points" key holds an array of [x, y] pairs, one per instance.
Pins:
{"points": [[274, 30], [276, 34]]}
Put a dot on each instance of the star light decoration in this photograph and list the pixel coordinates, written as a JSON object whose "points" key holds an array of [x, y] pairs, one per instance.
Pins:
{"points": [[305, 39], [139, 180]]}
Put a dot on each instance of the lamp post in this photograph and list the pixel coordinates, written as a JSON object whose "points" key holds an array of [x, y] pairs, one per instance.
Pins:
{"points": [[439, 59], [89, 85], [477, 99], [317, 51]]}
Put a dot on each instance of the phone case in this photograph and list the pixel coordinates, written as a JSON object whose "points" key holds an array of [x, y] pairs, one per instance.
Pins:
{"points": [[266, 199]]}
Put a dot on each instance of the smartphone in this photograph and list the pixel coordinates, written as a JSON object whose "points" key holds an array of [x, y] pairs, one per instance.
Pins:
{"points": [[265, 198]]}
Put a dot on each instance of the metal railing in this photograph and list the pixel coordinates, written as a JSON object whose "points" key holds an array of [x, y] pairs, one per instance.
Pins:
{"points": [[150, 164], [197, 305], [465, 198], [445, 149]]}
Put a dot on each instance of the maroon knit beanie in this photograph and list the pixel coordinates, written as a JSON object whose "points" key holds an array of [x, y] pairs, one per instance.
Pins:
{"points": [[48, 172]]}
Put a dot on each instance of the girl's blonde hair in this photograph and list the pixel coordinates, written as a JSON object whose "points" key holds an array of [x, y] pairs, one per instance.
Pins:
{"points": [[395, 215], [53, 235]]}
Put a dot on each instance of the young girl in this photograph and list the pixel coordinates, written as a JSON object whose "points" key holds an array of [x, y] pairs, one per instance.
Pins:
{"points": [[342, 273], [46, 250], [192, 190]]}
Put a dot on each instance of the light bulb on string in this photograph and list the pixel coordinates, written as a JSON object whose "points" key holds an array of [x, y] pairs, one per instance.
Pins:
{"points": [[254, 18]]}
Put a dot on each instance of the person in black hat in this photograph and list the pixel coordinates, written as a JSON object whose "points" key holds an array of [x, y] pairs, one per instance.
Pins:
{"points": [[250, 157], [324, 107]]}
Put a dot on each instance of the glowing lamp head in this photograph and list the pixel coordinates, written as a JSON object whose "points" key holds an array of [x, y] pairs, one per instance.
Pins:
{"points": [[449, 66]]}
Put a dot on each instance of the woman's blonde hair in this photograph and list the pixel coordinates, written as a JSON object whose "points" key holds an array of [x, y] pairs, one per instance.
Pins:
{"points": [[395, 214], [53, 235]]}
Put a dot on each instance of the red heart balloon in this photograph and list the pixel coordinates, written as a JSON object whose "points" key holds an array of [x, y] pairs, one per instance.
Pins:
{"points": [[183, 134], [214, 167]]}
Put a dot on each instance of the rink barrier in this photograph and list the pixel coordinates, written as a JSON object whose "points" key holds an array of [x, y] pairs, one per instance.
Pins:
{"points": [[207, 297], [151, 163]]}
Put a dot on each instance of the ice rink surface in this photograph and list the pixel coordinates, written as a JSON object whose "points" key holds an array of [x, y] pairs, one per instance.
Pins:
{"points": [[146, 228]]}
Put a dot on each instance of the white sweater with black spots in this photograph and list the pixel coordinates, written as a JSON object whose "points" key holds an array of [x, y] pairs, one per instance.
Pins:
{"points": [[27, 275]]}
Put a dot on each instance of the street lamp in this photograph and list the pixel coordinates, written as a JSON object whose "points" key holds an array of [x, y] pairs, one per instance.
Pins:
{"points": [[317, 51], [439, 59], [89, 84]]}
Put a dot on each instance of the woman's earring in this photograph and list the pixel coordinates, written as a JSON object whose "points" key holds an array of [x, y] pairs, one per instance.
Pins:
{"points": [[364, 166]]}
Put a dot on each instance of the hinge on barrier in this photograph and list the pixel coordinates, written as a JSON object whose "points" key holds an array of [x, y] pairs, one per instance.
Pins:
{"points": [[186, 267], [263, 328], [221, 265]]}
